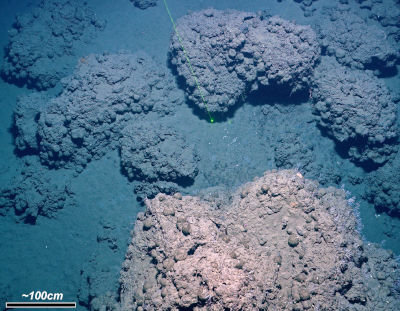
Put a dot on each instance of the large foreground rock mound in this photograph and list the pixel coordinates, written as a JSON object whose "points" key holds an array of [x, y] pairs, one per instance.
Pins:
{"points": [[278, 243], [232, 51]]}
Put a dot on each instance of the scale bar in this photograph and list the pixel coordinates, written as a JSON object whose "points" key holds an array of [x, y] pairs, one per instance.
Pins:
{"points": [[15, 305]]}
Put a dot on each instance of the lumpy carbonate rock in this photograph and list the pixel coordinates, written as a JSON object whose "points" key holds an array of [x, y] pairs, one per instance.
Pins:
{"points": [[232, 52], [144, 4], [27, 109], [347, 36], [34, 193], [237, 256], [307, 7], [151, 189], [291, 150], [106, 93], [152, 151], [41, 48], [383, 187], [356, 107], [387, 14]]}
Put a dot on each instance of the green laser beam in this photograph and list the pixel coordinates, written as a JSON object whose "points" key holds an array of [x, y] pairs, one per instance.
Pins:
{"points": [[187, 58], [286, 8]]}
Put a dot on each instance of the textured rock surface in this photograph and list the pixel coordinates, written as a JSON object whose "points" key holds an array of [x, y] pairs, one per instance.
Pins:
{"points": [[354, 106], [106, 93], [387, 14], [26, 113], [291, 150], [152, 151], [383, 187], [144, 4], [307, 7], [41, 48], [232, 52], [151, 189], [291, 131], [347, 36], [279, 242], [34, 193]]}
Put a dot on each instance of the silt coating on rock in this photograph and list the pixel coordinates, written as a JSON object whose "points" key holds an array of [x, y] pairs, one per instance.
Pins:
{"points": [[232, 52], [106, 93], [387, 14], [27, 109], [41, 49], [382, 188], [33, 193], [152, 151], [355, 107], [151, 189], [348, 38], [144, 4]]}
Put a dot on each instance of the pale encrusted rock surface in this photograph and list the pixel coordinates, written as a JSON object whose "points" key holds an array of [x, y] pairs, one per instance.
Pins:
{"points": [[278, 243]]}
